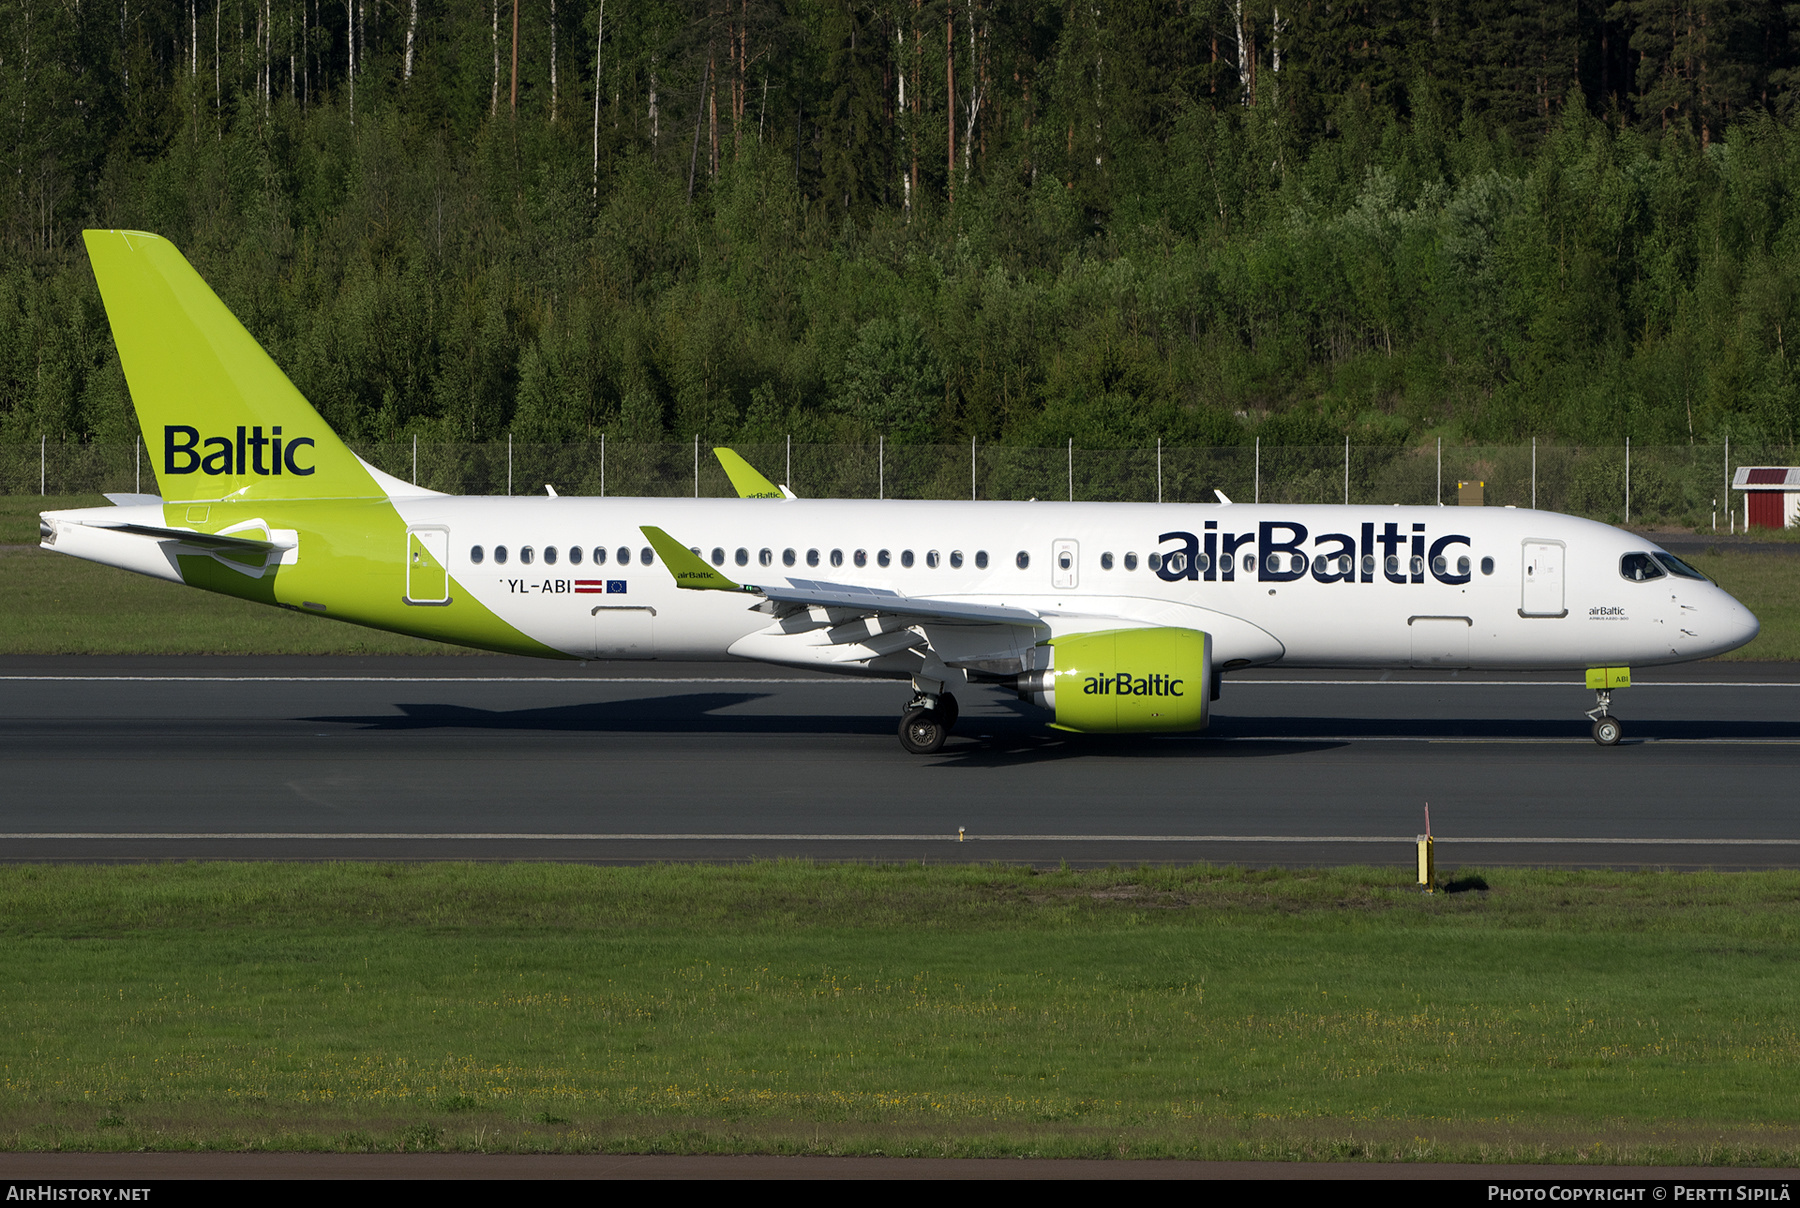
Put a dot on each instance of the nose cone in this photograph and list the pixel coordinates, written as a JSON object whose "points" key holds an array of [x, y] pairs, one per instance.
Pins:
{"points": [[1735, 625]]}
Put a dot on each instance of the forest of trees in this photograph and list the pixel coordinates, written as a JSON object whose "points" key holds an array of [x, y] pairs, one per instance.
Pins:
{"points": [[1202, 221]]}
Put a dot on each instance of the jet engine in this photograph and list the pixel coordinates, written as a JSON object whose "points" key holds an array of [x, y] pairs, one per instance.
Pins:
{"points": [[1124, 681]]}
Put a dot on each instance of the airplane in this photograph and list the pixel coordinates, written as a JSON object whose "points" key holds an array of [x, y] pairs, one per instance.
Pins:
{"points": [[1112, 617]]}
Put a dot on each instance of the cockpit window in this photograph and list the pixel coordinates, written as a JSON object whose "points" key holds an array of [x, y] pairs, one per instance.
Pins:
{"points": [[1639, 568], [1677, 567]]}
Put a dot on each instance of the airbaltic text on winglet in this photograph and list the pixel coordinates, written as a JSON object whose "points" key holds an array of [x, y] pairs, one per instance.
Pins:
{"points": [[182, 454]]}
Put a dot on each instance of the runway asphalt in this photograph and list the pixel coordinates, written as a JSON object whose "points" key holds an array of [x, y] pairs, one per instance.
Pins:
{"points": [[494, 758]]}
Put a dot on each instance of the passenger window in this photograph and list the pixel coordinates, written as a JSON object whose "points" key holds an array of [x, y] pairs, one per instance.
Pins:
{"points": [[1203, 562], [574, 555], [718, 558], [1487, 566], [624, 556], [1639, 568], [765, 557], [1417, 565], [812, 557], [647, 556], [1393, 564], [1153, 561], [742, 557], [956, 559], [549, 555], [1368, 568], [1273, 562], [1296, 563], [980, 559], [931, 559], [1343, 564], [787, 557], [1130, 561], [881, 559], [860, 557], [1321, 566], [1462, 566], [1249, 563], [526, 554], [1023, 561], [1440, 565], [1065, 560], [837, 557], [1106, 560], [599, 555], [475, 555], [500, 555], [906, 558]]}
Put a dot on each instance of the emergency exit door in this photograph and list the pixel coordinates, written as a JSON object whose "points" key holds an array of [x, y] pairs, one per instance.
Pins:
{"points": [[428, 565]]}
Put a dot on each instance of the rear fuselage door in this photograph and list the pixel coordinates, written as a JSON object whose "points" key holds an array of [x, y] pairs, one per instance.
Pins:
{"points": [[428, 565], [1542, 595], [1065, 556]]}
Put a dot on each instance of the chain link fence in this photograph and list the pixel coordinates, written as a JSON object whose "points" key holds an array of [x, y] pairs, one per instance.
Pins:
{"points": [[1685, 485]]}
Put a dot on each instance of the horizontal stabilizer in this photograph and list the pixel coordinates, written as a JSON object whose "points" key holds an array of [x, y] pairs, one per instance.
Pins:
{"points": [[189, 537]]}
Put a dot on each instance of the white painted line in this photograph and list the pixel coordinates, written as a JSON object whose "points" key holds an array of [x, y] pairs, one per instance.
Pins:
{"points": [[939, 838], [1462, 683]]}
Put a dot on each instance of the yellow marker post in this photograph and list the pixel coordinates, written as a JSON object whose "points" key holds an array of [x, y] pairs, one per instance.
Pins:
{"points": [[1427, 861]]}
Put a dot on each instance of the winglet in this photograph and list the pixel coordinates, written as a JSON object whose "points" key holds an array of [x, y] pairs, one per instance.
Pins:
{"points": [[744, 478], [689, 571], [1221, 495]]}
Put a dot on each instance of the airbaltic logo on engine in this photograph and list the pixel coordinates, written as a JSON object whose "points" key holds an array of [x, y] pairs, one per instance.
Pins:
{"points": [[250, 453], [1123, 684]]}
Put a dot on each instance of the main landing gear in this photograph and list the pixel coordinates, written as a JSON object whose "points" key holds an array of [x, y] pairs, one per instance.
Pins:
{"points": [[926, 722], [1607, 729]]}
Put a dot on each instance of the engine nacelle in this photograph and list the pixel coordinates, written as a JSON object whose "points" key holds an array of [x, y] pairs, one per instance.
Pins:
{"points": [[1125, 681]]}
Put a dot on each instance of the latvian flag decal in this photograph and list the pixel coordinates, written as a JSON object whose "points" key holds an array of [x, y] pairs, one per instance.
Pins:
{"points": [[599, 587]]}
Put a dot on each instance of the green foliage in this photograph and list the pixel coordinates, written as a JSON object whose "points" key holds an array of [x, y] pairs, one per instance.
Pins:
{"points": [[1025, 224]]}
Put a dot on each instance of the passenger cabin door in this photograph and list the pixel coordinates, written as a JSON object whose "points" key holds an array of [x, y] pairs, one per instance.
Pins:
{"points": [[1064, 556], [1542, 595], [428, 565]]}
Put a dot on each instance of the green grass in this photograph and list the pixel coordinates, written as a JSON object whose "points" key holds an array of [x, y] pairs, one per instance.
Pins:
{"points": [[1599, 1017], [51, 604]]}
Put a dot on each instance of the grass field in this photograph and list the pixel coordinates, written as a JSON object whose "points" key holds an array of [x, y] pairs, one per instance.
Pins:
{"points": [[1597, 1017], [52, 604]]}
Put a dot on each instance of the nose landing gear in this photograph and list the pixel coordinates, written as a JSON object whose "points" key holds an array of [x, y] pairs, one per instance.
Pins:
{"points": [[1607, 728]]}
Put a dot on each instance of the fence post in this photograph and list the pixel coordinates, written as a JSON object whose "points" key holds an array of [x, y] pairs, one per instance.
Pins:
{"points": [[696, 465], [1534, 473], [971, 469], [1071, 469], [41, 439], [1440, 484], [1257, 498], [603, 465], [137, 455], [509, 463], [790, 457], [1627, 480], [1346, 470], [1159, 469], [881, 466], [1730, 516]]}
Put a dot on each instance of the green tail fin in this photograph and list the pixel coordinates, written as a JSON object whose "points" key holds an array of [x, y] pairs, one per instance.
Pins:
{"points": [[220, 419], [744, 478]]}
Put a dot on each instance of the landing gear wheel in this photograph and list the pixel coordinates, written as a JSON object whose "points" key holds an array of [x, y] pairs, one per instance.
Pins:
{"points": [[922, 732], [947, 710], [1608, 731]]}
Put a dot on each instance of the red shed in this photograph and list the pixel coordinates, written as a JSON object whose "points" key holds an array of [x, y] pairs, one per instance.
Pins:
{"points": [[1771, 495]]}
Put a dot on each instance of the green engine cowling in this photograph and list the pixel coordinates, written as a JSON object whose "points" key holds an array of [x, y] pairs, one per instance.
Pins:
{"points": [[1126, 681]]}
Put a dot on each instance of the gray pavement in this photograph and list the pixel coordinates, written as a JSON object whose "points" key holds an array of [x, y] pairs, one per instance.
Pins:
{"points": [[493, 758]]}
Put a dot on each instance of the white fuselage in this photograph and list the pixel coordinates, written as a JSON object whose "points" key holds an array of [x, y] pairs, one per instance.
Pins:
{"points": [[1538, 589]]}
